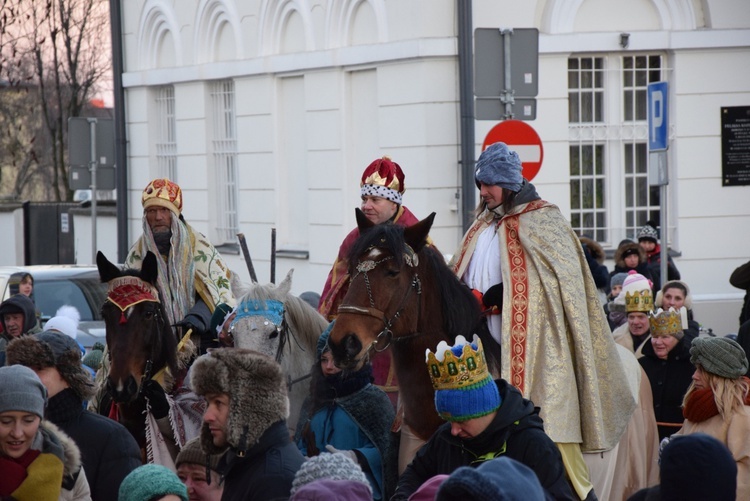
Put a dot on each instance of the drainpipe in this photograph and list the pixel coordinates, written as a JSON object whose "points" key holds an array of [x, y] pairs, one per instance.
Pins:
{"points": [[121, 172], [466, 92]]}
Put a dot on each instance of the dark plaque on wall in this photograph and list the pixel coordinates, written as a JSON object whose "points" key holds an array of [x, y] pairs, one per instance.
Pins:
{"points": [[735, 145]]}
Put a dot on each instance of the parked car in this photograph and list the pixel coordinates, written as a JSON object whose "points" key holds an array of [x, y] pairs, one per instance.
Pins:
{"points": [[58, 285]]}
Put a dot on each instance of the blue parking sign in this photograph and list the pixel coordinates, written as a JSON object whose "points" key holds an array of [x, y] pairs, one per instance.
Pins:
{"points": [[658, 129]]}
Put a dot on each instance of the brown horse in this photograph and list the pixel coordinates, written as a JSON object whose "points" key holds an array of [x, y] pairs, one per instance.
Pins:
{"points": [[403, 295], [140, 342]]}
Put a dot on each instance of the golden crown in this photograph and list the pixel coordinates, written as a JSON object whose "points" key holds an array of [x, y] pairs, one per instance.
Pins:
{"points": [[642, 301], [666, 323], [453, 372]]}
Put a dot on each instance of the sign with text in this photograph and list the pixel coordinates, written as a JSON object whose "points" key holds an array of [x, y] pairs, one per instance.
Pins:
{"points": [[735, 146]]}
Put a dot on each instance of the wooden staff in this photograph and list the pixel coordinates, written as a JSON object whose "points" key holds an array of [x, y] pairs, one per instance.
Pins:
{"points": [[248, 260]]}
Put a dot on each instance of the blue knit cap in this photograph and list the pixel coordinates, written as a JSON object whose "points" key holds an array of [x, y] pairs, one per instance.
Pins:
{"points": [[151, 481], [323, 339], [498, 165]]}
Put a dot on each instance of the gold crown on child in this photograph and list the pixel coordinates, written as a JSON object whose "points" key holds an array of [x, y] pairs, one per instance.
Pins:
{"points": [[642, 301], [454, 372], [666, 322]]}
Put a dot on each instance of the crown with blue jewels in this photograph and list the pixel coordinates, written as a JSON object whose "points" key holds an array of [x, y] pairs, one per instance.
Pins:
{"points": [[457, 370]]}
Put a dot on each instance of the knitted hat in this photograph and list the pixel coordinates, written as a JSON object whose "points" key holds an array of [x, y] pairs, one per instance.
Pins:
{"points": [[163, 193], [720, 356], [256, 387], [672, 284], [151, 481], [464, 388], [53, 349], [617, 279], [500, 479], [323, 340], [428, 490], [66, 320], [93, 359], [668, 323], [383, 178], [333, 490], [192, 452], [217, 319], [498, 165], [629, 252], [648, 232], [21, 390], [696, 467], [330, 467], [636, 293]]}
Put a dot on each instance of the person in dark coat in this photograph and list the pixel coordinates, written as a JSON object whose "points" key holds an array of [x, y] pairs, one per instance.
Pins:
{"points": [[245, 419], [18, 318], [740, 278], [676, 294], [648, 239], [108, 451], [666, 361], [630, 256], [486, 419]]}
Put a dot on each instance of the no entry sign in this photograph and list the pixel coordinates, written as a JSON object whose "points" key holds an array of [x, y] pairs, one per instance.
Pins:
{"points": [[521, 138]]}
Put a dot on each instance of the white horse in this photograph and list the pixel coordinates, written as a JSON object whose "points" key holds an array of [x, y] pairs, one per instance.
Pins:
{"points": [[272, 321]]}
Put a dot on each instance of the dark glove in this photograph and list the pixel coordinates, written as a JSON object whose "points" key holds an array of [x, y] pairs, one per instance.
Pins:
{"points": [[493, 298], [157, 399], [191, 322]]}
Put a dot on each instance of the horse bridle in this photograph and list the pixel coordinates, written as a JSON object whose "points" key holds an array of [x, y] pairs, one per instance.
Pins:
{"points": [[362, 268]]}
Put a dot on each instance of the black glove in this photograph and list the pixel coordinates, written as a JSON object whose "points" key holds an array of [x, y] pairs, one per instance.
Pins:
{"points": [[494, 297], [157, 399], [191, 322]]}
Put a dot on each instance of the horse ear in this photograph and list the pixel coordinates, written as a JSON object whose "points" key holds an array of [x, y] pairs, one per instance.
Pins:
{"points": [[149, 268], [362, 222], [107, 270], [416, 235], [286, 285]]}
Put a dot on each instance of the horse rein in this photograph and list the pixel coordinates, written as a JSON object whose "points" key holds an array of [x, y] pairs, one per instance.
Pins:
{"points": [[363, 267]]}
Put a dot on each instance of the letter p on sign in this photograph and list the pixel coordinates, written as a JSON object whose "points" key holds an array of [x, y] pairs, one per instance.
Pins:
{"points": [[658, 124]]}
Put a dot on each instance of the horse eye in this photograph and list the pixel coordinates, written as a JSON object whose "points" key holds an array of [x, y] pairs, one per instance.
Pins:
{"points": [[391, 272], [274, 334]]}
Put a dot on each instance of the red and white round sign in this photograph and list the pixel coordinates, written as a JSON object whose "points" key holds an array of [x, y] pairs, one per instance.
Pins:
{"points": [[521, 138]]}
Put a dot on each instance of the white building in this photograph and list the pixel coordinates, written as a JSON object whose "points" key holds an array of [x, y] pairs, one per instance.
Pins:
{"points": [[266, 112]]}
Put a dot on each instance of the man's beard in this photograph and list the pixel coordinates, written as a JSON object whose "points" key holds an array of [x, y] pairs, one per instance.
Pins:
{"points": [[163, 242]]}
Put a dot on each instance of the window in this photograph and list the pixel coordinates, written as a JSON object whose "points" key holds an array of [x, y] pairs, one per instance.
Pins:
{"points": [[166, 143], [609, 193], [224, 155]]}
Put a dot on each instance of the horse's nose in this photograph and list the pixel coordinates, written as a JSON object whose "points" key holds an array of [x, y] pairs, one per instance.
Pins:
{"points": [[123, 392], [352, 347]]}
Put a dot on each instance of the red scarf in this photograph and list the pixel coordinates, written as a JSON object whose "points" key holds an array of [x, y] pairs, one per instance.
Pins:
{"points": [[14, 471], [701, 405]]}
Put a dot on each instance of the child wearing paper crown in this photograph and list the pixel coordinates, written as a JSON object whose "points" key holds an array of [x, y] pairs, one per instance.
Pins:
{"points": [[486, 419]]}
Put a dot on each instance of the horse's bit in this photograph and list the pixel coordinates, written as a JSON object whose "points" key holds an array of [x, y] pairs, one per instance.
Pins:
{"points": [[411, 259]]}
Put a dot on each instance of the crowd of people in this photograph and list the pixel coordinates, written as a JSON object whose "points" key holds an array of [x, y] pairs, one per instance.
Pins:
{"points": [[595, 365]]}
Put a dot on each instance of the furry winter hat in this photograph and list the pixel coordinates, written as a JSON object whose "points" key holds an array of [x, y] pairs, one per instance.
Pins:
{"points": [[674, 284], [627, 249], [66, 320], [329, 466], [719, 355], [53, 349], [257, 393], [594, 248]]}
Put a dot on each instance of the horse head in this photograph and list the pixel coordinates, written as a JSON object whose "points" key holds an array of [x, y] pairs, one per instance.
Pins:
{"points": [[384, 302], [140, 341]]}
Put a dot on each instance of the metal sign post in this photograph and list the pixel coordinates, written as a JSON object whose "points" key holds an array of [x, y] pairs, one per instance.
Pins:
{"points": [[92, 169], [658, 172]]}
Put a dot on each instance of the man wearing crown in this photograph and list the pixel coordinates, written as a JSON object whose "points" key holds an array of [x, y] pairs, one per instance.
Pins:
{"points": [[557, 347], [193, 278], [637, 300], [486, 419]]}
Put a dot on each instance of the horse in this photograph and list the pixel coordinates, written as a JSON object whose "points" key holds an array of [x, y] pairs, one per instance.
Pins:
{"points": [[142, 345], [276, 323], [402, 295]]}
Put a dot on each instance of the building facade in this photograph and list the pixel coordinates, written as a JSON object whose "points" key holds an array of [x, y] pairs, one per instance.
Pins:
{"points": [[266, 112]]}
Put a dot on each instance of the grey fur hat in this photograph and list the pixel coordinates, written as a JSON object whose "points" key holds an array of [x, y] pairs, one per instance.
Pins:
{"points": [[257, 393], [53, 349], [719, 355]]}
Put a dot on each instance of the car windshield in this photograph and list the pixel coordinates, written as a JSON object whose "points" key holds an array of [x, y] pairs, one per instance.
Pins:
{"points": [[86, 294]]}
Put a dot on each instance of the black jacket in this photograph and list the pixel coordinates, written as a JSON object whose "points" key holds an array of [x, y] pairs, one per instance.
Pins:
{"points": [[669, 380], [17, 304], [267, 470], [108, 450], [517, 426]]}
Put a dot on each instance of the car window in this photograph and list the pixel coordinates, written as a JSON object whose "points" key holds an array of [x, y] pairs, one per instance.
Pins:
{"points": [[87, 295]]}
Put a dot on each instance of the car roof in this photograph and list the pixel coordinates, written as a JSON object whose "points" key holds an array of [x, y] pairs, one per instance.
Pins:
{"points": [[50, 270]]}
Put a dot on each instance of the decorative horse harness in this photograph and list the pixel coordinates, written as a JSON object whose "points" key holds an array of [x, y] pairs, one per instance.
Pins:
{"points": [[386, 335]]}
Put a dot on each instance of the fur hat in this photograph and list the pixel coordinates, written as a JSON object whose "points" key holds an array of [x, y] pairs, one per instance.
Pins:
{"points": [[22, 390], [720, 356], [648, 232], [151, 481], [671, 285], [627, 249], [256, 388], [464, 388], [163, 193], [383, 178], [331, 467], [53, 349], [594, 248], [499, 165], [66, 320], [192, 452], [501, 479]]}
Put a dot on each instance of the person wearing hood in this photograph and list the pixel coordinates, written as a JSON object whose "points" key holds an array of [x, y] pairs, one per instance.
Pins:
{"points": [[630, 256], [108, 451], [486, 419], [18, 318], [38, 461], [524, 246], [245, 420]]}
